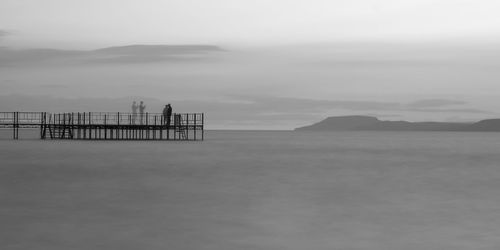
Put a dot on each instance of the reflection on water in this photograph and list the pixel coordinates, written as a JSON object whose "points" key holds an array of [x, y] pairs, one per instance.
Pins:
{"points": [[254, 190]]}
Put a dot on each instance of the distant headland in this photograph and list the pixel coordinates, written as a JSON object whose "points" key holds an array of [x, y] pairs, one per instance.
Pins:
{"points": [[360, 123]]}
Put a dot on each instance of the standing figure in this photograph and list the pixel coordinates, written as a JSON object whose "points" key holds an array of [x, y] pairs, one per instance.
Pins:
{"points": [[134, 112], [165, 115], [169, 114], [142, 107]]}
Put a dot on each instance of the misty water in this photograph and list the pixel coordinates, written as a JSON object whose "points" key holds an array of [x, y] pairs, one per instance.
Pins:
{"points": [[254, 190]]}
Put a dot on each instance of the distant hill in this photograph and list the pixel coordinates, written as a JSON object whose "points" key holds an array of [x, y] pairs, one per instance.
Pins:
{"points": [[485, 125], [118, 54], [358, 123]]}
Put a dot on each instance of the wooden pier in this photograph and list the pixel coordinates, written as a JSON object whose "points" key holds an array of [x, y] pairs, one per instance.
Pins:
{"points": [[106, 125]]}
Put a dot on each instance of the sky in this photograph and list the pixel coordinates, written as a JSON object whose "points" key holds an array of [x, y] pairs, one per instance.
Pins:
{"points": [[279, 64], [75, 23]]}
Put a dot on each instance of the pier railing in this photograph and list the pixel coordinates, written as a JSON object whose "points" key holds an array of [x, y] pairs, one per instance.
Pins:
{"points": [[117, 118], [107, 125], [25, 119]]}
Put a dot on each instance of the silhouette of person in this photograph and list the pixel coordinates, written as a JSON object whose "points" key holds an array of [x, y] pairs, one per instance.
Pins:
{"points": [[167, 113], [134, 112], [142, 107]]}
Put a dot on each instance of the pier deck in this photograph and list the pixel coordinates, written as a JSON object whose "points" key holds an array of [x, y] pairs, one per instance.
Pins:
{"points": [[106, 125]]}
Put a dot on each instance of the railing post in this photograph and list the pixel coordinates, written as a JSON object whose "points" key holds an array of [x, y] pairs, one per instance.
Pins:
{"points": [[187, 127], [17, 127], [61, 135], [147, 127], [41, 125], [72, 125], [14, 114], [105, 127], [118, 126], [85, 126], [79, 123], [194, 127], [154, 129], [90, 125], [162, 123]]}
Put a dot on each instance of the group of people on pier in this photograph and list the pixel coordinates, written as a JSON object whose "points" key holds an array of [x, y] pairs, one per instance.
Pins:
{"points": [[167, 113]]}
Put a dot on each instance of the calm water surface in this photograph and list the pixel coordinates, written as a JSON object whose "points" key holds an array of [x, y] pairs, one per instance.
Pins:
{"points": [[254, 190]]}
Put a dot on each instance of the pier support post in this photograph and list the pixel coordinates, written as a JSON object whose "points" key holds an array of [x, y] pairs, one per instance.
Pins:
{"points": [[14, 125]]}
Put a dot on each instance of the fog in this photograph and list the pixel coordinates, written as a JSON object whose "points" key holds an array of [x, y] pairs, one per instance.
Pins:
{"points": [[262, 87]]}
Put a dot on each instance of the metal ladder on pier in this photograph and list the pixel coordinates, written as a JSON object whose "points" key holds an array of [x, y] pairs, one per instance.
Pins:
{"points": [[60, 127]]}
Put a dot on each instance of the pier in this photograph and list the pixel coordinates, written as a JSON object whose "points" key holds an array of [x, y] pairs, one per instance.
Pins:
{"points": [[106, 125]]}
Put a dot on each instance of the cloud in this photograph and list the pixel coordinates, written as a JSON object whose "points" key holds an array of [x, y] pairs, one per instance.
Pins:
{"points": [[311, 105], [441, 106], [457, 110], [376, 63], [433, 103], [286, 104], [54, 86], [4, 33]]}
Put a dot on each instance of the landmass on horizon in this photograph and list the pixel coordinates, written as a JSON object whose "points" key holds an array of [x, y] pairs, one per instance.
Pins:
{"points": [[360, 123], [136, 53]]}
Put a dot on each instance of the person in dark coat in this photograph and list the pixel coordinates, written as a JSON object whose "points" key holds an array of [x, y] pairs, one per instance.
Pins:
{"points": [[167, 113]]}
